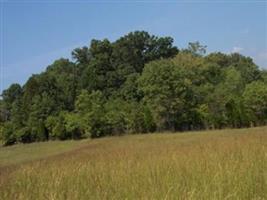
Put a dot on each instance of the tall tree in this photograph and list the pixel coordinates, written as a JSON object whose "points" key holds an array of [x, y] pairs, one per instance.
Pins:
{"points": [[90, 108]]}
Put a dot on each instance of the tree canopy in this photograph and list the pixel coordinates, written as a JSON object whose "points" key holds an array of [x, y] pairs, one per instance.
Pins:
{"points": [[137, 84]]}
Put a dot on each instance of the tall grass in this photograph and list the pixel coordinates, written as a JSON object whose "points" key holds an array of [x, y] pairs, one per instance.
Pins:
{"points": [[230, 164]]}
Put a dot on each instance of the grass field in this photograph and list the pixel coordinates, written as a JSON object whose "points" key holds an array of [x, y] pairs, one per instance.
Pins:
{"points": [[17, 154], [228, 164]]}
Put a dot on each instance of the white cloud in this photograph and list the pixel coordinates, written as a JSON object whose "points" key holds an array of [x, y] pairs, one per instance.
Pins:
{"points": [[237, 49]]}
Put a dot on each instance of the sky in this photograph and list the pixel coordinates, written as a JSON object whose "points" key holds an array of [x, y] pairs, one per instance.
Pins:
{"points": [[34, 33]]}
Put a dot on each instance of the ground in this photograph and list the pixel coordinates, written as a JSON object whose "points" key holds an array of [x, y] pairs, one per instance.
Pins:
{"points": [[224, 164]]}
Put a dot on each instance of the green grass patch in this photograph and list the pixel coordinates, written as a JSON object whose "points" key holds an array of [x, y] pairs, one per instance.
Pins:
{"points": [[20, 153]]}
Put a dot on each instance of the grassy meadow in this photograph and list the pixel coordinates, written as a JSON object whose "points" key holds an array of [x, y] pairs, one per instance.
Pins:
{"points": [[17, 154], [224, 164]]}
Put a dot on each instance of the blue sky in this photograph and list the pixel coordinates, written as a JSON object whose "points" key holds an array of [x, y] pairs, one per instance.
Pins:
{"points": [[36, 32]]}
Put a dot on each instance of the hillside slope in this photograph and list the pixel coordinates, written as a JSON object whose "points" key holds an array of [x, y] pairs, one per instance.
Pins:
{"points": [[227, 164]]}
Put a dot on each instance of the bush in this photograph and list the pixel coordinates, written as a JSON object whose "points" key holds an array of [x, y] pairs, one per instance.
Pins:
{"points": [[8, 134], [24, 135]]}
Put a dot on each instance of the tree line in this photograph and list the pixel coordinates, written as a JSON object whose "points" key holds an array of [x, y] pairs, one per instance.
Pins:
{"points": [[139, 83]]}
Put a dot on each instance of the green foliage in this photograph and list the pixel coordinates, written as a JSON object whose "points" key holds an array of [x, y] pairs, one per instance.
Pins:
{"points": [[172, 91], [8, 135], [264, 76], [1, 131], [24, 135], [90, 109], [163, 88], [65, 126], [56, 126], [73, 126], [11, 94], [129, 91], [137, 48], [59, 131], [255, 102], [149, 122], [196, 48], [139, 83], [118, 116], [126, 117]]}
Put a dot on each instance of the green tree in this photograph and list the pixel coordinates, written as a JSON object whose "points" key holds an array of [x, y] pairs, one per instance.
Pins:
{"points": [[255, 102], [249, 70], [264, 76], [139, 83], [74, 126], [164, 88], [8, 135], [90, 108], [137, 48], [63, 83], [219, 59], [81, 55], [11, 94], [196, 48]]}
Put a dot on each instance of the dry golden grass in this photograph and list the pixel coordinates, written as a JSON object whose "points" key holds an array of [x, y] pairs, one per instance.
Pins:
{"points": [[228, 164]]}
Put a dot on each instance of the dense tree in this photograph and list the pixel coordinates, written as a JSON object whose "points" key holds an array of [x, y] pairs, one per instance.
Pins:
{"points": [[65, 78], [264, 76], [137, 84], [11, 94], [218, 58], [8, 135], [255, 102], [138, 48], [90, 108], [110, 64], [249, 71], [164, 89], [126, 117], [81, 55]]}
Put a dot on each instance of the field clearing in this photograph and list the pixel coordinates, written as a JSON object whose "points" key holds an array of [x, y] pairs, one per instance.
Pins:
{"points": [[17, 154], [226, 164]]}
